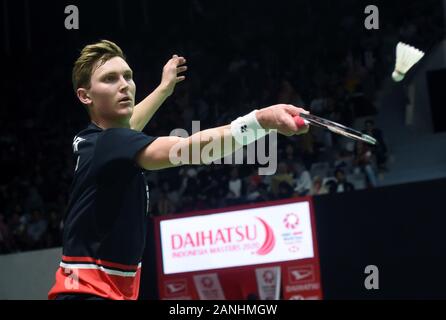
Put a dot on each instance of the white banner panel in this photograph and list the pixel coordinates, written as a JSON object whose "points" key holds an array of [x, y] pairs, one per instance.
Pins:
{"points": [[237, 238], [268, 283], [208, 287]]}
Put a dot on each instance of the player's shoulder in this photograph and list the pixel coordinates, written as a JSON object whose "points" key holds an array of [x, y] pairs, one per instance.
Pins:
{"points": [[86, 136], [109, 138], [120, 135]]}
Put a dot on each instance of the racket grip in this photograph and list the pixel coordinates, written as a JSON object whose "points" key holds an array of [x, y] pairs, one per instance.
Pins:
{"points": [[300, 122]]}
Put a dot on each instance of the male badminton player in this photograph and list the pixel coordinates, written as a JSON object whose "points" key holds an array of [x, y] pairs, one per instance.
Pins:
{"points": [[104, 228]]}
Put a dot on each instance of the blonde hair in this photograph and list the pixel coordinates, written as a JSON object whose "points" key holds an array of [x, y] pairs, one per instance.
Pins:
{"points": [[101, 51]]}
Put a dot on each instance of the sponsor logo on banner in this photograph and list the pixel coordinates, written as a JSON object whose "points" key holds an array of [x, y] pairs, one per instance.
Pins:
{"points": [[228, 235], [208, 287], [207, 282], [293, 234], [268, 283], [270, 240], [302, 278], [301, 274], [291, 221], [237, 238], [176, 288]]}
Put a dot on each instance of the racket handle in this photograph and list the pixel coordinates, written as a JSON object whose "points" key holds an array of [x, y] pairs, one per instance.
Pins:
{"points": [[300, 122]]}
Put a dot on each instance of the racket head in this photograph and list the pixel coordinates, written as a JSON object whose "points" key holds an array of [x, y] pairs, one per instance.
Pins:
{"points": [[337, 128]]}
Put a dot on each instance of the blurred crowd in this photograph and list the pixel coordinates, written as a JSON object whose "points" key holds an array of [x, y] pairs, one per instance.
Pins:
{"points": [[334, 69]]}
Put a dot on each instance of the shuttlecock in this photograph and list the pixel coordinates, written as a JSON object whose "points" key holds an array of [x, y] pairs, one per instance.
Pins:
{"points": [[406, 57]]}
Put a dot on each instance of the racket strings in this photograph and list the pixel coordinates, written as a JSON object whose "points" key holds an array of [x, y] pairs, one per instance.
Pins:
{"points": [[338, 128]]}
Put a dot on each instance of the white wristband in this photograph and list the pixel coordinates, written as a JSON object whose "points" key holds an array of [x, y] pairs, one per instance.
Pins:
{"points": [[247, 129]]}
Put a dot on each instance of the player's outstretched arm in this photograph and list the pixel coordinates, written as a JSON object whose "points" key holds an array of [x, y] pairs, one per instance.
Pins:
{"points": [[144, 111], [209, 145]]}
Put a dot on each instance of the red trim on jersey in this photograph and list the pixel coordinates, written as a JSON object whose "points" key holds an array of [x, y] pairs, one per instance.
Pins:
{"points": [[101, 262], [95, 282]]}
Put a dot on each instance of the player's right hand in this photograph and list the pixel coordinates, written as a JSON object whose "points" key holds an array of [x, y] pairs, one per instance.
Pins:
{"points": [[281, 118]]}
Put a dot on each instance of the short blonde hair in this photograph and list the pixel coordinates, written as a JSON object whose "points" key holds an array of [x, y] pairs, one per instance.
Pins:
{"points": [[101, 51]]}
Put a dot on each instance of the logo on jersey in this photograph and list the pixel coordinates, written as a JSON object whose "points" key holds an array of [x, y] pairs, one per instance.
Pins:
{"points": [[76, 143]]}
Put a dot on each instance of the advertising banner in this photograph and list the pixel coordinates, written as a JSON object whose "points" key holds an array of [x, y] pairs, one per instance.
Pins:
{"points": [[271, 240]]}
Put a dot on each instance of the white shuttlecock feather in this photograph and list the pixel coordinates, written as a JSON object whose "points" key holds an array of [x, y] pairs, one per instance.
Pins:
{"points": [[406, 57]]}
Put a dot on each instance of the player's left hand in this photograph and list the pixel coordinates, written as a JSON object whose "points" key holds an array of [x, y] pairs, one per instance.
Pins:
{"points": [[171, 73]]}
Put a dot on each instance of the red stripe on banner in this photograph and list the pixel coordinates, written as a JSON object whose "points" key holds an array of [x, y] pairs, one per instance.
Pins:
{"points": [[101, 262]]}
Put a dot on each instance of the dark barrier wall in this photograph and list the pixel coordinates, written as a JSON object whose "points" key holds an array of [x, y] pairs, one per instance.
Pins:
{"points": [[399, 229], [437, 96]]}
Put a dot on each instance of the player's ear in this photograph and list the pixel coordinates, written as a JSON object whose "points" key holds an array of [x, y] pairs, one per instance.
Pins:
{"points": [[84, 96]]}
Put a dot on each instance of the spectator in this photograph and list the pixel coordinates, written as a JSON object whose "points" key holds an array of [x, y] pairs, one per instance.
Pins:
{"points": [[234, 185], [289, 156], [285, 190], [252, 192], [317, 187], [189, 186], [303, 180], [343, 160], [165, 206], [308, 149], [36, 229], [319, 103], [54, 233], [380, 149], [263, 190], [172, 195], [5, 236], [283, 175], [341, 184], [364, 161], [34, 200], [17, 231], [288, 94]]}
